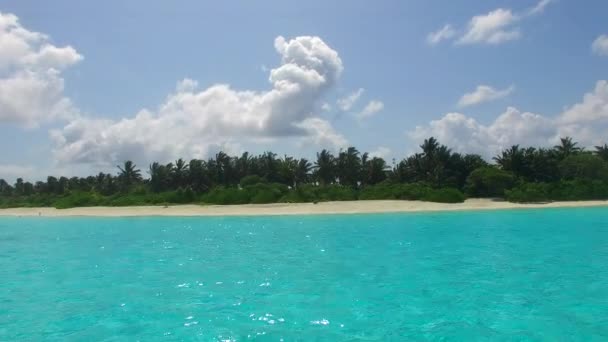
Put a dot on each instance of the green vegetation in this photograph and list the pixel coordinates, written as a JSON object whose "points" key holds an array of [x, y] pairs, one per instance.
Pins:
{"points": [[564, 172], [489, 181]]}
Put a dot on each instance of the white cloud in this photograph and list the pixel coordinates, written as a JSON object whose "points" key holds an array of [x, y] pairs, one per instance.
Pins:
{"points": [[586, 122], [193, 122], [446, 32], [321, 133], [326, 107], [465, 134], [371, 109], [483, 93], [346, 103], [31, 82], [381, 152], [600, 45], [493, 28], [540, 7], [186, 85]]}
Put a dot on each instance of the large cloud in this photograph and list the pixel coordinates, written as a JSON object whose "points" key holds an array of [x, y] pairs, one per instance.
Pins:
{"points": [[31, 84], [586, 122], [193, 122]]}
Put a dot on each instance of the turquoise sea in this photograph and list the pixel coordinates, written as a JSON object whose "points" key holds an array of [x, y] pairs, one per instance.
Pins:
{"points": [[513, 275]]}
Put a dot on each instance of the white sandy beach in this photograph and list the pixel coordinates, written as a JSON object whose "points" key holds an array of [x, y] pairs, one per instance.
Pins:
{"points": [[344, 207]]}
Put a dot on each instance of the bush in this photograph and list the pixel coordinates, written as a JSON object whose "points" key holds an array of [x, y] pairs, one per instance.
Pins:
{"points": [[301, 194], [257, 193], [264, 196], [387, 190], [183, 196], [578, 190], [489, 181], [379, 191], [251, 180], [528, 193], [77, 199], [412, 192], [335, 192], [584, 166], [266, 193], [444, 195], [221, 195]]}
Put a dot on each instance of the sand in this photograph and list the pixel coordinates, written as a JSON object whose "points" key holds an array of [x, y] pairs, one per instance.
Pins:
{"points": [[346, 207]]}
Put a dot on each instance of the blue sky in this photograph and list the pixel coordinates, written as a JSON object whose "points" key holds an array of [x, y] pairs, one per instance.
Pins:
{"points": [[533, 70]]}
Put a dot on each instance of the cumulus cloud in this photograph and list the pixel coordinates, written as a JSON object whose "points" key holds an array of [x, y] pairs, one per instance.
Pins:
{"points": [[600, 45], [483, 93], [586, 122], [495, 27], [321, 133], [446, 32], [193, 122], [371, 109], [346, 103], [31, 82]]}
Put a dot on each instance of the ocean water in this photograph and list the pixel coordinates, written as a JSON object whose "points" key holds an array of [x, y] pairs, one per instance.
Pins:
{"points": [[516, 275]]}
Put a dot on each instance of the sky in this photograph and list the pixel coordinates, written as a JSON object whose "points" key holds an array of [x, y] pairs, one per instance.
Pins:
{"points": [[87, 85]]}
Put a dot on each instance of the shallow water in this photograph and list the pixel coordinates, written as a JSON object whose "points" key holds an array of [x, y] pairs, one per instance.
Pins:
{"points": [[493, 275]]}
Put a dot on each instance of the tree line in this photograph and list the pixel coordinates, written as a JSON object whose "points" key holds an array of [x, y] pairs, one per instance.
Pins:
{"points": [[436, 173]]}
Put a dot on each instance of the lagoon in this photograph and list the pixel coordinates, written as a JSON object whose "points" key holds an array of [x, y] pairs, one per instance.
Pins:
{"points": [[536, 274]]}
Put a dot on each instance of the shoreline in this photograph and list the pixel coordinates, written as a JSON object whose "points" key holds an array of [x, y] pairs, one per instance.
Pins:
{"points": [[321, 208]]}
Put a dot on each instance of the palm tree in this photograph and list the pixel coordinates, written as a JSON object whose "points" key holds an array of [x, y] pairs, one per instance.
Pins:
{"points": [[19, 186], [510, 158], [325, 167], [159, 176], [375, 171], [287, 170], [432, 164], [5, 188], [349, 167], [199, 175], [222, 167], [438, 165], [179, 172], [602, 151], [269, 166], [303, 171], [566, 147], [429, 146], [412, 168], [129, 174], [244, 165]]}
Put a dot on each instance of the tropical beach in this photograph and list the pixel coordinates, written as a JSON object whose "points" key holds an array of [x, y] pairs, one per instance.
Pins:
{"points": [[337, 207], [230, 171]]}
